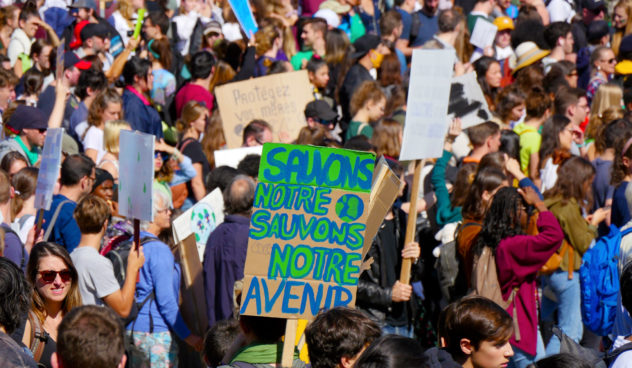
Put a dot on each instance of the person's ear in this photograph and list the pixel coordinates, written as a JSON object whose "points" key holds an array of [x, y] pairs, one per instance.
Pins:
{"points": [[56, 362], [346, 362], [442, 343], [466, 346], [486, 196], [123, 361], [626, 161]]}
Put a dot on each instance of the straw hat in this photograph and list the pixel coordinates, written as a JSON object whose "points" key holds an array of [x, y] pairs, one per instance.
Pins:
{"points": [[528, 53]]}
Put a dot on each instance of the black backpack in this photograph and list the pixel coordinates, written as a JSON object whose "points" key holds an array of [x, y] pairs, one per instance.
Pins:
{"points": [[118, 256]]}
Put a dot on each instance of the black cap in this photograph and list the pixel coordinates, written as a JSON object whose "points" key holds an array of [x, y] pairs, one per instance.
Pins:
{"points": [[593, 5], [71, 59], [626, 45], [27, 117], [365, 44], [596, 30], [321, 110], [93, 29]]}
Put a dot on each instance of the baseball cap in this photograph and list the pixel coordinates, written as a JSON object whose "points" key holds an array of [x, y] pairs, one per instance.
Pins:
{"points": [[27, 117], [321, 110], [596, 30], [92, 30], [365, 44], [593, 5], [90, 4], [503, 23], [212, 27], [71, 59]]}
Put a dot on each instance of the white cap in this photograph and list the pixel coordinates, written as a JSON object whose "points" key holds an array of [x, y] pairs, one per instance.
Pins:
{"points": [[330, 16]]}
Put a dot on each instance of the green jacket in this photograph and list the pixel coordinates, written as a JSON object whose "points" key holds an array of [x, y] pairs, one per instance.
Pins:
{"points": [[577, 231]]}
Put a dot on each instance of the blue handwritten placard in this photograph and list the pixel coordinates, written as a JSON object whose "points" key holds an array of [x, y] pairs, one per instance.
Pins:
{"points": [[243, 13], [306, 231]]}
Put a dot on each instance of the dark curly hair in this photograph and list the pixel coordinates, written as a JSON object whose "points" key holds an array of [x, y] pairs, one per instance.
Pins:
{"points": [[502, 219], [16, 295]]}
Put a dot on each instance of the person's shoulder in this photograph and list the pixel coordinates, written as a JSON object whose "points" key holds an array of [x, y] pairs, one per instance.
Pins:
{"points": [[13, 355]]}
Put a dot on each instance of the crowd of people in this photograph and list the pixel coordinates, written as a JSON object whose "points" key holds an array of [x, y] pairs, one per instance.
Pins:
{"points": [[504, 216]]}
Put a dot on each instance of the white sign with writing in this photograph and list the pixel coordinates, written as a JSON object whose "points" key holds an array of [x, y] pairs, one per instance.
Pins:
{"points": [[136, 175], [49, 168]]}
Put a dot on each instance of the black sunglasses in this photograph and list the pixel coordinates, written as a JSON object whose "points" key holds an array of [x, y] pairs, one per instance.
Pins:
{"points": [[50, 276]]}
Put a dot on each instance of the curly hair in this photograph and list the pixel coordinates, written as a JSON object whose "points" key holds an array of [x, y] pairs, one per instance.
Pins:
{"points": [[15, 291], [368, 91], [502, 220]]}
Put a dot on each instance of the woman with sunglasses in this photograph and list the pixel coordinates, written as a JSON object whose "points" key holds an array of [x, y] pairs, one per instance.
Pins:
{"points": [[602, 63], [55, 293]]}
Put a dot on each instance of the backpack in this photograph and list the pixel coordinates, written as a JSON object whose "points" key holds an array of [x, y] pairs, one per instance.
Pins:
{"points": [[612, 356], [117, 254], [599, 282], [569, 346], [450, 268], [485, 283]]}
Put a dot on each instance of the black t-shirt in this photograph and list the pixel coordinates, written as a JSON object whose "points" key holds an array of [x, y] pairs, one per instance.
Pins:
{"points": [[193, 150]]}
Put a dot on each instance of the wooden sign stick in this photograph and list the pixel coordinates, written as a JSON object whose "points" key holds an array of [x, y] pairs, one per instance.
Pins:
{"points": [[40, 220], [287, 357], [404, 276]]}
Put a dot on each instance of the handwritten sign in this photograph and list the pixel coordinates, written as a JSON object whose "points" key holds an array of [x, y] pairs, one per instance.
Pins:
{"points": [[244, 16], [467, 101], [483, 34], [136, 175], [425, 116], [306, 231], [200, 220], [49, 169], [279, 99]]}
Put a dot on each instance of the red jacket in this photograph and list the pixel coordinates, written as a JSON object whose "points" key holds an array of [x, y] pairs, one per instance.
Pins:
{"points": [[518, 259]]}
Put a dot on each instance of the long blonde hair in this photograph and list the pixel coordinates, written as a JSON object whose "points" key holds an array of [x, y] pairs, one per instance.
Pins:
{"points": [[111, 134], [608, 96], [618, 34]]}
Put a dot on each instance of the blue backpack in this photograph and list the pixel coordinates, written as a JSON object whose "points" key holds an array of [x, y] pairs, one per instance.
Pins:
{"points": [[599, 279]]}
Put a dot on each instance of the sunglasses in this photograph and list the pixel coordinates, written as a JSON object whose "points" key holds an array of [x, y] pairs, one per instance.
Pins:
{"points": [[50, 276]]}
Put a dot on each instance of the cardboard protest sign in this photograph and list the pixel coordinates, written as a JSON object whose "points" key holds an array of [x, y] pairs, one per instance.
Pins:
{"points": [[193, 306], [200, 220], [136, 175], [232, 157], [306, 231], [49, 169], [431, 73], [279, 99], [384, 191], [483, 34], [467, 101], [244, 16]]}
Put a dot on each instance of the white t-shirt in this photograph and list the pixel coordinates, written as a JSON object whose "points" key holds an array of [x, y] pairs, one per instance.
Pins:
{"points": [[96, 275], [93, 139], [548, 175], [624, 360]]}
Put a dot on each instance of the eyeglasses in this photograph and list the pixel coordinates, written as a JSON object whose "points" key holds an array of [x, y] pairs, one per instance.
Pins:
{"points": [[50, 276], [164, 210], [42, 130]]}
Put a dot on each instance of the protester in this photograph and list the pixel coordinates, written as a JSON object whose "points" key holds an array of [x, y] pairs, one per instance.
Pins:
{"points": [[225, 253], [191, 125], [55, 293], [90, 336], [23, 203], [15, 303]]}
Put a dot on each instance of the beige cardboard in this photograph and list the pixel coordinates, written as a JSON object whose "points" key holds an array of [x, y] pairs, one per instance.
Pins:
{"points": [[279, 99], [193, 301], [384, 191], [298, 291]]}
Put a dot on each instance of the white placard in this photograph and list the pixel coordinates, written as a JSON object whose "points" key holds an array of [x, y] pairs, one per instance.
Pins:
{"points": [[483, 34], [429, 91], [201, 220], [136, 175], [467, 101], [49, 168], [232, 157]]}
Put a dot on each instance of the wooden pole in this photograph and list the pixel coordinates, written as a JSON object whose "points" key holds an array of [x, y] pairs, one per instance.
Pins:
{"points": [[404, 276], [288, 344], [137, 242], [40, 220]]}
